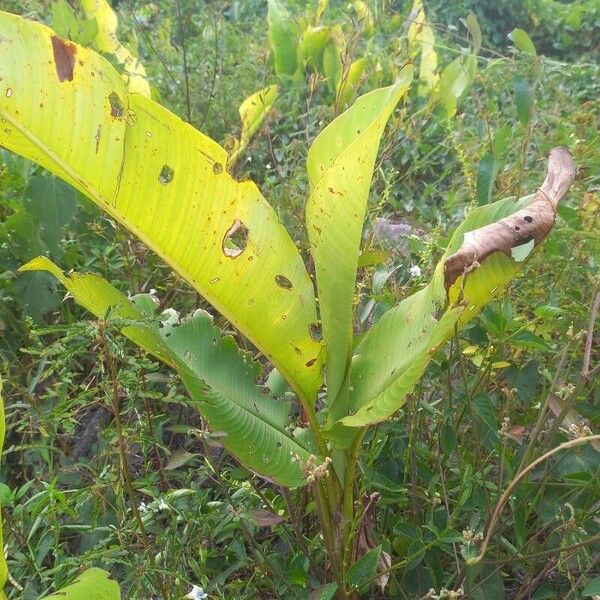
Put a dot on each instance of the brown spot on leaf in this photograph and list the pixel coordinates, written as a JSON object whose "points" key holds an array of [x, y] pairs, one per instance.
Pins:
{"points": [[64, 58], [283, 282], [531, 223], [117, 108]]}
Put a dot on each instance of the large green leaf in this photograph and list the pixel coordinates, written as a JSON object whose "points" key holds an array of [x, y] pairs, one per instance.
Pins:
{"points": [[484, 254], [283, 35], [340, 167], [67, 108], [218, 376], [93, 584]]}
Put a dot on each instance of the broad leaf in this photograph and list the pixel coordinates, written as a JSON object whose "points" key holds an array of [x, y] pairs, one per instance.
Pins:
{"points": [[421, 40], [106, 41], [349, 83], [93, 584], [311, 46], [522, 41], [217, 375], [340, 167], [253, 111], [283, 36], [477, 265], [70, 112], [455, 79]]}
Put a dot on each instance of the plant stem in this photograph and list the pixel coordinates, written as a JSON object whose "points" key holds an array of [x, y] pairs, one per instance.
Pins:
{"points": [[348, 508]]}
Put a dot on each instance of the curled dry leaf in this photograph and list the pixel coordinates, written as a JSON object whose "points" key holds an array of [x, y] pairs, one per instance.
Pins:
{"points": [[530, 224]]}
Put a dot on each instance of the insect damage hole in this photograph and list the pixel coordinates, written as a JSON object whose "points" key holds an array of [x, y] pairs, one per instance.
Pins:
{"points": [[283, 282], [166, 174], [235, 239], [117, 108], [316, 331], [528, 219]]}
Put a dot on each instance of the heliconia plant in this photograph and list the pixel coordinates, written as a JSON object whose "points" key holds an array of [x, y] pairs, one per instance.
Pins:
{"points": [[67, 109]]}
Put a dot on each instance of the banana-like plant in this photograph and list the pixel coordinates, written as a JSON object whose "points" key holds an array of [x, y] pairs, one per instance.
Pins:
{"points": [[66, 108]]}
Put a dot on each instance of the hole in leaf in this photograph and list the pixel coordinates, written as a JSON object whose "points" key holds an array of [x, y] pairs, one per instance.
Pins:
{"points": [[117, 108], [517, 228], [528, 219], [217, 168], [235, 240], [166, 174], [316, 331], [311, 362], [283, 282]]}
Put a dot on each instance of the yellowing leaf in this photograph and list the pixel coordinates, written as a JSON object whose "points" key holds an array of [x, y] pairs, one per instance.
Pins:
{"points": [[349, 82], [253, 111], [93, 584], [106, 41], [421, 40], [340, 167], [70, 112]]}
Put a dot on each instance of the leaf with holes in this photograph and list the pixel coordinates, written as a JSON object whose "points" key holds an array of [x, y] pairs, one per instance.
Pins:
{"points": [[69, 110], [477, 265], [219, 378], [340, 167], [93, 584]]}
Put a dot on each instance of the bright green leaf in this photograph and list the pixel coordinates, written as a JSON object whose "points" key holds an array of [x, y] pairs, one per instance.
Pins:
{"points": [[283, 36], [394, 354], [421, 40], [253, 111], [486, 177], [522, 41], [349, 83], [93, 584], [454, 81], [364, 569], [340, 167], [523, 99], [472, 24]]}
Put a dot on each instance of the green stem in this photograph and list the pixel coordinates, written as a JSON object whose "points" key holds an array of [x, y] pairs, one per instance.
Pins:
{"points": [[348, 531]]}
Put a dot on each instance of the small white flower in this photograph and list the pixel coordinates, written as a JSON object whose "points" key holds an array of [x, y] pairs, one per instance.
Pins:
{"points": [[268, 166], [197, 593], [143, 508], [415, 271], [162, 505]]}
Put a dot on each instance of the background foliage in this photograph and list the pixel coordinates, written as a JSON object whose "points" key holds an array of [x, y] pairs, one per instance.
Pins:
{"points": [[178, 512]]}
